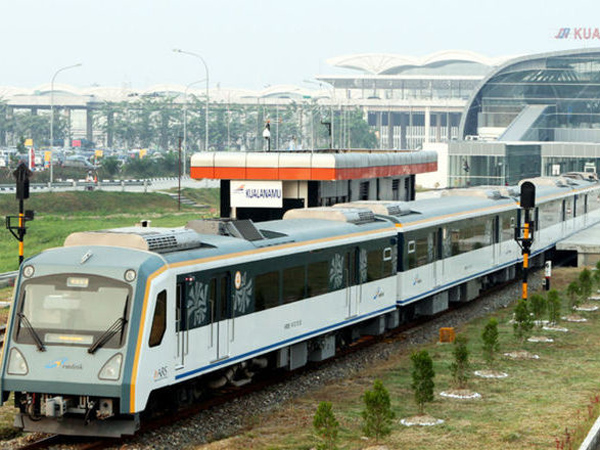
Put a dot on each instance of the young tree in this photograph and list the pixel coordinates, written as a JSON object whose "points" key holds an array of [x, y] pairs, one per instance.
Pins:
{"points": [[554, 306], [377, 415], [573, 292], [538, 307], [490, 346], [596, 275], [585, 284], [523, 323], [460, 366], [326, 426], [422, 378]]}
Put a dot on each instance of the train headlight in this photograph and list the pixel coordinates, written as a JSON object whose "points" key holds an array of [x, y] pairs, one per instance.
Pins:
{"points": [[130, 275], [16, 363], [28, 271], [112, 369]]}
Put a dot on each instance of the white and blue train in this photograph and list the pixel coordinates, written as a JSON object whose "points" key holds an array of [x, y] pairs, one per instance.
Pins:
{"points": [[121, 321]]}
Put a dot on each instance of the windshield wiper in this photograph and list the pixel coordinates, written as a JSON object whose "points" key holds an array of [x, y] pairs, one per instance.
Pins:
{"points": [[108, 334], [32, 332]]}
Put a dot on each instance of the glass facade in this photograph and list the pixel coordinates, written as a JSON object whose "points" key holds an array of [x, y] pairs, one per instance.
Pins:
{"points": [[564, 86]]}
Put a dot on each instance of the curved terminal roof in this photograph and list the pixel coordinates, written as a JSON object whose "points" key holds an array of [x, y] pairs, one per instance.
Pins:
{"points": [[567, 82], [41, 94], [394, 64]]}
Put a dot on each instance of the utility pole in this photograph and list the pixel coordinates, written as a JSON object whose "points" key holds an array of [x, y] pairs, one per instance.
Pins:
{"points": [[524, 234]]}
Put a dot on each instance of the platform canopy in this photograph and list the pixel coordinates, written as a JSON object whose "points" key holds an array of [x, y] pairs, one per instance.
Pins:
{"points": [[318, 166]]}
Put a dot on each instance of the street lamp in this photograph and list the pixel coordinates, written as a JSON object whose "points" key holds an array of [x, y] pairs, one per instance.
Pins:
{"points": [[52, 115], [331, 97], [195, 55], [185, 105]]}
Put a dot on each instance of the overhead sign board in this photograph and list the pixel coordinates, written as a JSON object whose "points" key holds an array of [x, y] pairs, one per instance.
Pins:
{"points": [[256, 194]]}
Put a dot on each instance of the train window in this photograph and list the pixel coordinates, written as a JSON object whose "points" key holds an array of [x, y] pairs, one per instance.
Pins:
{"points": [[388, 261], [411, 246], [159, 320], [318, 278], [294, 282], [266, 291], [374, 265], [387, 254]]}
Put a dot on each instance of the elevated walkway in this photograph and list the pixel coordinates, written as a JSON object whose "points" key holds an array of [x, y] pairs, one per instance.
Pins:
{"points": [[587, 245], [519, 127]]}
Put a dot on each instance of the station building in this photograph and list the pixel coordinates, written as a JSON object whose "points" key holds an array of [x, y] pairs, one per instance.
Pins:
{"points": [[537, 115], [264, 185], [408, 101]]}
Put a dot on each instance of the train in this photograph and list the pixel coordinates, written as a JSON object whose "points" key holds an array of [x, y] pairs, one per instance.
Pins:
{"points": [[120, 322]]}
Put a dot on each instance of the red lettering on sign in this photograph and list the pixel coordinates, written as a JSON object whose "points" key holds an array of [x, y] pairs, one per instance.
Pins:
{"points": [[577, 33]]}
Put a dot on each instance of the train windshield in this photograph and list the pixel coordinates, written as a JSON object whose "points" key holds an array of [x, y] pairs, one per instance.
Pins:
{"points": [[72, 310]]}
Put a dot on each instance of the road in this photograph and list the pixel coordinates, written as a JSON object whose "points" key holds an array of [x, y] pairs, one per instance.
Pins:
{"points": [[152, 185]]}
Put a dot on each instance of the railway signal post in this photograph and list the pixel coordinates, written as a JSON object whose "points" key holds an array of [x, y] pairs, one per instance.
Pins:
{"points": [[22, 175], [524, 234]]}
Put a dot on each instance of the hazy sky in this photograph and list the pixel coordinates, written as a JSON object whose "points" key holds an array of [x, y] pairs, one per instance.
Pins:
{"points": [[251, 44]]}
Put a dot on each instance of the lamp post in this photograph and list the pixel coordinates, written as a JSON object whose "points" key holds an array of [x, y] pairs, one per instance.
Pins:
{"points": [[185, 121], [52, 115], [195, 55], [331, 98]]}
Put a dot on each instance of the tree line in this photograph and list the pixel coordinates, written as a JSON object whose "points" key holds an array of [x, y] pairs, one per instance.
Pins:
{"points": [[158, 122]]}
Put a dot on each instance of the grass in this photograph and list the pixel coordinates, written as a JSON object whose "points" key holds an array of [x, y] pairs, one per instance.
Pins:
{"points": [[530, 409], [60, 213]]}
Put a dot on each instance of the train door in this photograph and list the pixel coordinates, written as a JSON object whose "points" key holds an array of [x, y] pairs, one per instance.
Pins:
{"points": [[496, 251], [440, 275], [353, 286], [220, 321], [435, 256], [181, 327]]}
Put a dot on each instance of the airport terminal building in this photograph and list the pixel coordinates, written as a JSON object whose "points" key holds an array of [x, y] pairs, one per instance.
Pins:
{"points": [[535, 115]]}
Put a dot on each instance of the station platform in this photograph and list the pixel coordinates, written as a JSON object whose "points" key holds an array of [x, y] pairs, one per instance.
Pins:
{"points": [[587, 245]]}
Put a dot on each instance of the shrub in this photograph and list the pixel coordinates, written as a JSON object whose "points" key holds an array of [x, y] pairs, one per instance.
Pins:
{"points": [[538, 306], [523, 323], [422, 378], [554, 306], [490, 346], [573, 292], [596, 275], [377, 415], [585, 284], [326, 426], [460, 367]]}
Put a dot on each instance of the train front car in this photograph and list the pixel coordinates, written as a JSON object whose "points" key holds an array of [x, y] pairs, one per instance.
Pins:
{"points": [[71, 339]]}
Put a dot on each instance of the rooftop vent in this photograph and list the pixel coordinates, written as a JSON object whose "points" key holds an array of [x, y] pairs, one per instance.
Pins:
{"points": [[159, 240], [243, 229], [356, 216], [383, 208]]}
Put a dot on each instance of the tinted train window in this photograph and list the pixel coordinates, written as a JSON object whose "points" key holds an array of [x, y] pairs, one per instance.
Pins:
{"points": [[294, 282], [318, 278], [388, 262], [159, 321], [266, 291], [375, 265], [508, 222]]}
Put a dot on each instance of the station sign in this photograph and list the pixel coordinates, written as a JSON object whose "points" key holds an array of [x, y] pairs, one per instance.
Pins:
{"points": [[256, 194]]}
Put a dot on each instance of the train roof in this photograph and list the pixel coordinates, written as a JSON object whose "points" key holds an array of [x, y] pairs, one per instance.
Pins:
{"points": [[454, 204], [206, 238]]}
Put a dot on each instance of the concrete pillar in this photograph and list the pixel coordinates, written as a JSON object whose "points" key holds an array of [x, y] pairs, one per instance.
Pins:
{"points": [[427, 123], [110, 120], [390, 130], [67, 139], [403, 119], [89, 124]]}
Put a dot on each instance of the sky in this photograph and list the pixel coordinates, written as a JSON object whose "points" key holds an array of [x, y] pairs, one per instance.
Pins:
{"points": [[254, 44]]}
